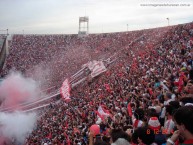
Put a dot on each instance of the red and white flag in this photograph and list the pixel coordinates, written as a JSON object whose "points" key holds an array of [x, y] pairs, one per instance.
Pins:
{"points": [[65, 90], [102, 113], [98, 68]]}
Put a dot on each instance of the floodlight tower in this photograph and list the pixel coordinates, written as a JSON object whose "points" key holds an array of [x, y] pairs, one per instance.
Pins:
{"points": [[83, 26], [168, 21]]}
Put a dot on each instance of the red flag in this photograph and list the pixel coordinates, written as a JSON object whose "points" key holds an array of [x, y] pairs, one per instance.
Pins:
{"points": [[129, 109]]}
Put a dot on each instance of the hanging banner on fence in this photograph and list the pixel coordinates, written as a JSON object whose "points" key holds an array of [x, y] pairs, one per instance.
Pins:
{"points": [[65, 90], [96, 67]]}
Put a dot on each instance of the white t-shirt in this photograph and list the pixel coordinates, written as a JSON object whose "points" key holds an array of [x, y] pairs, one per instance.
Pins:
{"points": [[169, 126]]}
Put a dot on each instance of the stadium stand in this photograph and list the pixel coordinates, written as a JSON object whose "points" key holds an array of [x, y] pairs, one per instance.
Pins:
{"points": [[150, 82]]}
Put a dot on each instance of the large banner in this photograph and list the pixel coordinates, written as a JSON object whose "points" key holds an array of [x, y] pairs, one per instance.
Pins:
{"points": [[96, 67], [65, 90]]}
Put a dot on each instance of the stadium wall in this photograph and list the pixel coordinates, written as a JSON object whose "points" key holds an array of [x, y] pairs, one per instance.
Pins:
{"points": [[3, 53]]}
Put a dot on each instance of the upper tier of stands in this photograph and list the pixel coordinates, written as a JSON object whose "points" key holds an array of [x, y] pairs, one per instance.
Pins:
{"points": [[51, 58]]}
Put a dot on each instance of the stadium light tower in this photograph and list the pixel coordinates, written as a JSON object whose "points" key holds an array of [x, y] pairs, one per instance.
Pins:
{"points": [[83, 26], [168, 21]]}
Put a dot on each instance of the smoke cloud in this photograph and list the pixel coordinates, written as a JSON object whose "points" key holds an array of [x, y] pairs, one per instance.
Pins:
{"points": [[15, 124], [16, 89]]}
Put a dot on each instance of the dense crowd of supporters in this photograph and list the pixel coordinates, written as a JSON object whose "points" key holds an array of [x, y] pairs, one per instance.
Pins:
{"points": [[147, 93]]}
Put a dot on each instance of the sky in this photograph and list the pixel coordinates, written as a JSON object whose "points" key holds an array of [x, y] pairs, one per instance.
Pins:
{"points": [[62, 16]]}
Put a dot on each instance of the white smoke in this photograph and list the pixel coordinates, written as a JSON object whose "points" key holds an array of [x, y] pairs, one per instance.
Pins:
{"points": [[14, 91], [17, 125], [40, 74]]}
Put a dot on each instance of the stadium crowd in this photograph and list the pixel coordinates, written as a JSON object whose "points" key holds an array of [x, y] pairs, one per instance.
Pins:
{"points": [[50, 55], [147, 93]]}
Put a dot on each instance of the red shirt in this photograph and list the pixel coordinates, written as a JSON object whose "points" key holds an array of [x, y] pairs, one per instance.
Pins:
{"points": [[188, 142]]}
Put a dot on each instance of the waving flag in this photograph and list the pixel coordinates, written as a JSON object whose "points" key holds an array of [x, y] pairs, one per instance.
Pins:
{"points": [[96, 67], [102, 113], [65, 90]]}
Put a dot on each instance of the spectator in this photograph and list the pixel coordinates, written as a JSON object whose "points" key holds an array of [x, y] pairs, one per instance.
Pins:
{"points": [[183, 116], [139, 117], [143, 135], [154, 125], [169, 124], [119, 137]]}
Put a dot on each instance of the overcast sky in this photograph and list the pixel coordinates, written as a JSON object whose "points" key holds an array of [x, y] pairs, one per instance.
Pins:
{"points": [[61, 16]]}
